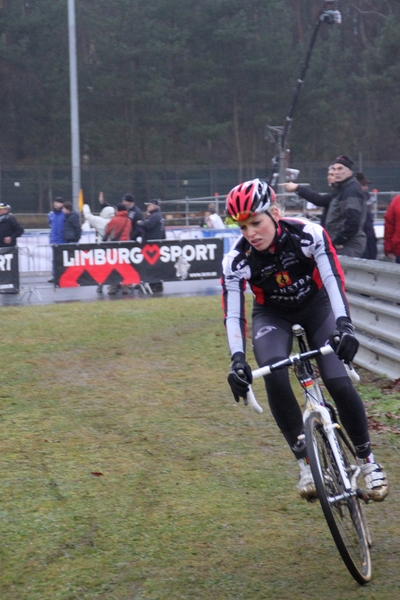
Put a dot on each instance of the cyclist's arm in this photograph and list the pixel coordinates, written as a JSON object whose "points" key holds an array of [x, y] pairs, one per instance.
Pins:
{"points": [[329, 268], [234, 276]]}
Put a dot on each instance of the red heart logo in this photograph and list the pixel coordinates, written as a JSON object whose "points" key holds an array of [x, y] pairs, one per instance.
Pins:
{"points": [[151, 253]]}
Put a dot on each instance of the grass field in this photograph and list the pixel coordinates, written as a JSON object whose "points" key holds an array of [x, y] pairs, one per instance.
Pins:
{"points": [[128, 471]]}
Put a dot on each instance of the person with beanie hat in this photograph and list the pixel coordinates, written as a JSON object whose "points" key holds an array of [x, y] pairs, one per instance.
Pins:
{"points": [[10, 229], [316, 198], [56, 219], [135, 215], [347, 210], [345, 160]]}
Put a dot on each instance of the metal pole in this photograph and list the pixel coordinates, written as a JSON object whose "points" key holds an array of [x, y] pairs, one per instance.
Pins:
{"points": [[73, 77], [328, 13]]}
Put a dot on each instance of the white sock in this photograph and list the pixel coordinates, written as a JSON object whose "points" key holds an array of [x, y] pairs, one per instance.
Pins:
{"points": [[302, 464], [370, 459]]}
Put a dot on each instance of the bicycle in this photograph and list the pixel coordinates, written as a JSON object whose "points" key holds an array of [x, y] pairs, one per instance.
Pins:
{"points": [[332, 459]]}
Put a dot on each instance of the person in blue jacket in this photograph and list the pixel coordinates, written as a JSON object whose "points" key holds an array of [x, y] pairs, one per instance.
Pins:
{"points": [[56, 223]]}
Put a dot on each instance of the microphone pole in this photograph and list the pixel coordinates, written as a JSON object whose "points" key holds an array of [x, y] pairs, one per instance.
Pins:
{"points": [[328, 13]]}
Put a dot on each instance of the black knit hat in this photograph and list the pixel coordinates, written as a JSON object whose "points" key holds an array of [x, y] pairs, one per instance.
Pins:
{"points": [[345, 160]]}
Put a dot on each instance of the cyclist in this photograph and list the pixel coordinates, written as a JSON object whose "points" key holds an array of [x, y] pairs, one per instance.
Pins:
{"points": [[295, 277]]}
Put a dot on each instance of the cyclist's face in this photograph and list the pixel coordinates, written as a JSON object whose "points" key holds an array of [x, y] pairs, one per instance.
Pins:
{"points": [[259, 230]]}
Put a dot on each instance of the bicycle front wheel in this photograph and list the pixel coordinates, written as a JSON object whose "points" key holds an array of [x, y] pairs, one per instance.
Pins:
{"points": [[342, 510]]}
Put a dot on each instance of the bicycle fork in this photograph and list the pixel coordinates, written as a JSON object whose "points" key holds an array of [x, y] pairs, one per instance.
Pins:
{"points": [[315, 403]]}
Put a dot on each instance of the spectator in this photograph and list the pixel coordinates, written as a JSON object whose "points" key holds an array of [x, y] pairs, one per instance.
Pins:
{"points": [[10, 229], [153, 225], [99, 222], [135, 215], [212, 219], [118, 229], [56, 223], [153, 228], [346, 209], [371, 248], [392, 230], [72, 230], [315, 197], [102, 201]]}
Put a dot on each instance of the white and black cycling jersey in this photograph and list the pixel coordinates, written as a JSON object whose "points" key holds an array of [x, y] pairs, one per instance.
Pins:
{"points": [[300, 262]]}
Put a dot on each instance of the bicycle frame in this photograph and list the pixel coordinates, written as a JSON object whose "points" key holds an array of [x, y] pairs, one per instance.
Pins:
{"points": [[314, 402], [334, 469]]}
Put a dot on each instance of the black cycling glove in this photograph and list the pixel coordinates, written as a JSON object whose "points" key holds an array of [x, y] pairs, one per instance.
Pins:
{"points": [[347, 345], [240, 376]]}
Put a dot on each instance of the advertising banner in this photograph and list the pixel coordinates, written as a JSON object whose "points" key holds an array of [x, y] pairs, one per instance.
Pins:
{"points": [[9, 273], [129, 263]]}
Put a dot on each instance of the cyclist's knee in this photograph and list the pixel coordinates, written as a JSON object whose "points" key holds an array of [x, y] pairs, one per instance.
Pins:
{"points": [[340, 387]]}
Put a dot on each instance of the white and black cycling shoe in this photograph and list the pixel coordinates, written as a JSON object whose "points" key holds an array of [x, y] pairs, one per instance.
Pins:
{"points": [[305, 485], [375, 481]]}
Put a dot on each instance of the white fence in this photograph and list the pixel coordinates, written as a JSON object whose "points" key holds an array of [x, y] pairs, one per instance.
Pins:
{"points": [[36, 254]]}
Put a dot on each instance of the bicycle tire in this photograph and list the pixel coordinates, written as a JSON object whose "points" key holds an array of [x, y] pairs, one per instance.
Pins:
{"points": [[344, 516], [347, 448]]}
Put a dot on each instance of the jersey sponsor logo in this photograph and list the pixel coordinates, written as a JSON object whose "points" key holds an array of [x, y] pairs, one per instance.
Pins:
{"points": [[293, 298], [263, 331], [283, 279]]}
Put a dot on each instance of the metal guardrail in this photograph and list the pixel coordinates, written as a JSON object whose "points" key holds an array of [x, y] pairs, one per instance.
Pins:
{"points": [[190, 211], [373, 291]]}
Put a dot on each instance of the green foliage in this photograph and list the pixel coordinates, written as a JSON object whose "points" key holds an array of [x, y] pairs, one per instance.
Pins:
{"points": [[169, 81]]}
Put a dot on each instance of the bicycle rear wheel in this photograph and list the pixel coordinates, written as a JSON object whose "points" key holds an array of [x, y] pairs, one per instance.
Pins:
{"points": [[342, 511]]}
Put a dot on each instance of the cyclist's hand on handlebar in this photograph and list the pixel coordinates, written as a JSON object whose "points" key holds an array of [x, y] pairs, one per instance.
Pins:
{"points": [[344, 341], [240, 376]]}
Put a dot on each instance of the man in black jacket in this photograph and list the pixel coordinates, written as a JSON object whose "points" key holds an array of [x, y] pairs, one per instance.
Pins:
{"points": [[10, 229], [153, 228], [371, 249], [316, 198], [72, 224], [346, 208], [134, 213]]}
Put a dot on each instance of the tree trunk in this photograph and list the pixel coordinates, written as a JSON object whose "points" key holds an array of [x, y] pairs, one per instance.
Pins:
{"points": [[237, 137]]}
